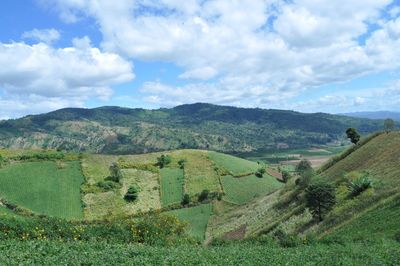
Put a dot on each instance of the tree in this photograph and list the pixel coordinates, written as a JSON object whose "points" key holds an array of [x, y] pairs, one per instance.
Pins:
{"points": [[131, 194], [185, 199], [204, 195], [389, 125], [303, 166], [163, 160], [260, 172], [115, 173], [353, 135], [320, 198]]}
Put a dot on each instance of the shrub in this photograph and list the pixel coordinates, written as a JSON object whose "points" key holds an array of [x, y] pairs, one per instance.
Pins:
{"points": [[163, 160], [181, 163], [158, 229], [359, 185], [286, 176], [185, 199], [131, 194], [115, 173], [303, 166], [203, 195], [108, 185], [397, 236], [260, 172]]}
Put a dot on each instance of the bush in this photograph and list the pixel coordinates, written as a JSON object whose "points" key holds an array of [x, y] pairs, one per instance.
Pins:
{"points": [[203, 195], [181, 163], [131, 194], [303, 166], [158, 229], [359, 185], [108, 185], [115, 173], [185, 199], [286, 176], [397, 236], [260, 172], [163, 160]]}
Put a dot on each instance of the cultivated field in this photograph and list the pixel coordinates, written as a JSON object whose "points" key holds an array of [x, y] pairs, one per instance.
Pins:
{"points": [[241, 190], [171, 185], [44, 187], [233, 165]]}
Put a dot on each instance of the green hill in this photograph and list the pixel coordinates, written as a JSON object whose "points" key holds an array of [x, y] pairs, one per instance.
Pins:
{"points": [[197, 126], [372, 214]]}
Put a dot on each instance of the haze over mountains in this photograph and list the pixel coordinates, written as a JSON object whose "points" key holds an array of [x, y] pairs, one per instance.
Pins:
{"points": [[376, 115], [200, 125]]}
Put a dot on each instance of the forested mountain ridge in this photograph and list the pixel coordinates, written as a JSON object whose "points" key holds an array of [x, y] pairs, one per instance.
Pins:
{"points": [[205, 126]]}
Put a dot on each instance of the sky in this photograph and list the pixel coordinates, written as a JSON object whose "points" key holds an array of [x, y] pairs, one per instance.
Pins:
{"points": [[305, 55]]}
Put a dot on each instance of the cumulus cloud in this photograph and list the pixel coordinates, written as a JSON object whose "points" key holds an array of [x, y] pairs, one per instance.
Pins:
{"points": [[44, 35], [58, 77], [260, 50]]}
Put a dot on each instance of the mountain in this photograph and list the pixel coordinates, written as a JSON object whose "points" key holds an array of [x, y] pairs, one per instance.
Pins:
{"points": [[204, 126], [376, 115]]}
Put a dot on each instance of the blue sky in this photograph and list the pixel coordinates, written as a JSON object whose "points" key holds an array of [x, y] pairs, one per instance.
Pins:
{"points": [[305, 55]]}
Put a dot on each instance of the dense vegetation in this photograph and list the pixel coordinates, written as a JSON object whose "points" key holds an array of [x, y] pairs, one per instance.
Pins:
{"points": [[204, 126]]}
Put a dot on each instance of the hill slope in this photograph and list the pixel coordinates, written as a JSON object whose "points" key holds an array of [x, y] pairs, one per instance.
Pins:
{"points": [[284, 210], [198, 126]]}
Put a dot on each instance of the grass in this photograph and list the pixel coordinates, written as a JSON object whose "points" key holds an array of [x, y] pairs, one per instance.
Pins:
{"points": [[234, 165], [101, 205], [241, 190], [95, 167], [101, 253], [171, 185], [197, 217], [199, 172], [381, 222], [44, 188]]}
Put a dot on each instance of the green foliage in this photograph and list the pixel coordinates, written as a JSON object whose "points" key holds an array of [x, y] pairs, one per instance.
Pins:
{"points": [[286, 176], [44, 188], [389, 125], [115, 173], [203, 195], [303, 166], [185, 200], [158, 229], [305, 178], [108, 185], [181, 163], [353, 135], [163, 160], [320, 197], [359, 185], [132, 193], [260, 172]]}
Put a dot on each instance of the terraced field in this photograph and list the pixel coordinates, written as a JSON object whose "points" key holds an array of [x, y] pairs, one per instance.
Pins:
{"points": [[241, 190], [44, 187], [196, 217], [171, 185]]}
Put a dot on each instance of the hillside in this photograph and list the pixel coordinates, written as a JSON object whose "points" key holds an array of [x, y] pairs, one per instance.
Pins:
{"points": [[375, 210], [376, 115], [197, 126]]}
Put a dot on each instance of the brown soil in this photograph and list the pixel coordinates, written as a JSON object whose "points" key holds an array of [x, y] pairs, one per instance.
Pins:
{"points": [[275, 174], [236, 234]]}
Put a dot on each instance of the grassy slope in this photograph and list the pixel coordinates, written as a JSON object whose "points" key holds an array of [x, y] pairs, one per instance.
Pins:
{"points": [[197, 218], [243, 189], [234, 165], [380, 156], [43, 188], [171, 185]]}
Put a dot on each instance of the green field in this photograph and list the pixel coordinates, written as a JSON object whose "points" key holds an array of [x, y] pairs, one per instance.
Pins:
{"points": [[241, 190], [44, 188], [171, 185], [197, 217], [250, 254], [234, 165]]}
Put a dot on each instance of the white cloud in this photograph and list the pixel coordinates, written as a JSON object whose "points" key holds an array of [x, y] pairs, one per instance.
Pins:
{"points": [[45, 35], [261, 50], [64, 76]]}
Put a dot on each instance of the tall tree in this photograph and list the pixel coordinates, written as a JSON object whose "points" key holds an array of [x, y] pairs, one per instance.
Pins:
{"points": [[320, 198], [353, 135], [389, 125]]}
